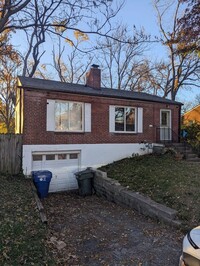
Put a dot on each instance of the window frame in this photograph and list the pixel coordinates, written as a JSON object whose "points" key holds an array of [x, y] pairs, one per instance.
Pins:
{"points": [[135, 124], [43, 155], [169, 123], [82, 118]]}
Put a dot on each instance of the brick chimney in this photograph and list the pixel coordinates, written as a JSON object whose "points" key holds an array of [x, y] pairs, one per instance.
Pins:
{"points": [[93, 77]]}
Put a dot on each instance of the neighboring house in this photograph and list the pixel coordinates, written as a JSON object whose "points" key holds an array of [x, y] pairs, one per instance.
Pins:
{"points": [[67, 127], [192, 116]]}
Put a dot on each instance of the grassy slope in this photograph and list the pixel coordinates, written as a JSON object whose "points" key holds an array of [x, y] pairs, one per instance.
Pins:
{"points": [[164, 179], [22, 235]]}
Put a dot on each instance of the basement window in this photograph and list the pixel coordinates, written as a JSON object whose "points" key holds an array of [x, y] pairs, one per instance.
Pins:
{"points": [[62, 156], [37, 157], [50, 157], [73, 156]]}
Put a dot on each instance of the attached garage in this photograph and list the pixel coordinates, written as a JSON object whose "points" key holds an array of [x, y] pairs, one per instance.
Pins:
{"points": [[62, 164]]}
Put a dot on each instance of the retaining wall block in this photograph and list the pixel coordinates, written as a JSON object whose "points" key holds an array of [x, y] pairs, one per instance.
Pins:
{"points": [[113, 191]]}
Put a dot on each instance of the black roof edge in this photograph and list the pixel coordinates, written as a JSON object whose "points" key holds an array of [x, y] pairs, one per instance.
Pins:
{"points": [[165, 101]]}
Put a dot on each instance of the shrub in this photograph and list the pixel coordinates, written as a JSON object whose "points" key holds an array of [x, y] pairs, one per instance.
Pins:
{"points": [[193, 135]]}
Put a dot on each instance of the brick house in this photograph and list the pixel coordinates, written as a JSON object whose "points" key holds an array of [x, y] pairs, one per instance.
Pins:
{"points": [[67, 127]]}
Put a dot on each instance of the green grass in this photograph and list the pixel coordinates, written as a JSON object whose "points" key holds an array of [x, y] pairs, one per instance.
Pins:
{"points": [[165, 180], [22, 234]]}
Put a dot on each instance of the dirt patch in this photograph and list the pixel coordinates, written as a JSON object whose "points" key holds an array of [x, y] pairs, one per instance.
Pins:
{"points": [[93, 231], [22, 235]]}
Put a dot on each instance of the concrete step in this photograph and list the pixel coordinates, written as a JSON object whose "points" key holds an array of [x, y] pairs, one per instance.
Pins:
{"points": [[195, 160], [184, 149], [178, 144], [191, 155], [181, 146]]}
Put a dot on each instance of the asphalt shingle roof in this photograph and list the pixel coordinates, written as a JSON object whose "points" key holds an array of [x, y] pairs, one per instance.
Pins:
{"points": [[51, 85]]}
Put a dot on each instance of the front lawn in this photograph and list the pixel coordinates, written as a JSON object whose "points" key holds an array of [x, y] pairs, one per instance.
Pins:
{"points": [[165, 180], [22, 235]]}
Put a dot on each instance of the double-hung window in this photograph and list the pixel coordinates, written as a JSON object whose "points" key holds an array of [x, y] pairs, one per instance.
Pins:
{"points": [[67, 116], [125, 119]]}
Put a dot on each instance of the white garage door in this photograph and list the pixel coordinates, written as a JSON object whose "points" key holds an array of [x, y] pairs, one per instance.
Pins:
{"points": [[63, 165]]}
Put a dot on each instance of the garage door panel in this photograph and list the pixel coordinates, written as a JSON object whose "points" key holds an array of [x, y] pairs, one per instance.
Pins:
{"points": [[63, 166], [37, 166], [63, 184], [66, 183]]}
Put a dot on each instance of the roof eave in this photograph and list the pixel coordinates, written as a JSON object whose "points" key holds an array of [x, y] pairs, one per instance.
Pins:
{"points": [[104, 96]]}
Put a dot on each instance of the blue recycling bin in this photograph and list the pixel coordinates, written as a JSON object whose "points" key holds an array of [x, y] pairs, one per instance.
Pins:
{"points": [[41, 180]]}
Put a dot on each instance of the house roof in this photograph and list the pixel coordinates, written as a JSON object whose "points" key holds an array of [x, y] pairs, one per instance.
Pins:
{"points": [[51, 85], [191, 110]]}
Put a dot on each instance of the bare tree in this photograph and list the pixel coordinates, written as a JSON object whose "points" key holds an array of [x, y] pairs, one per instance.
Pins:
{"points": [[9, 11], [39, 19], [197, 99], [189, 23], [9, 67], [68, 66], [144, 78], [180, 69], [89, 16], [120, 59], [72, 67]]}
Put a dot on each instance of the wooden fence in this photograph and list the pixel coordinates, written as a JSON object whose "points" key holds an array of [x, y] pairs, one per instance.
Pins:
{"points": [[10, 153]]}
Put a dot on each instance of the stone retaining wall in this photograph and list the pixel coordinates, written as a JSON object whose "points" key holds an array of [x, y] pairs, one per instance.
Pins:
{"points": [[113, 191]]}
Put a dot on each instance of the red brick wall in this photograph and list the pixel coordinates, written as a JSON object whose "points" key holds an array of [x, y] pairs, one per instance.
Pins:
{"points": [[93, 78], [35, 105]]}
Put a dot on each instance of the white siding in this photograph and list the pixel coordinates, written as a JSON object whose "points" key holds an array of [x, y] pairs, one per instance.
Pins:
{"points": [[107, 153]]}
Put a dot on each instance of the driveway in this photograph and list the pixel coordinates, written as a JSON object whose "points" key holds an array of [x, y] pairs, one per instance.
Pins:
{"points": [[92, 231]]}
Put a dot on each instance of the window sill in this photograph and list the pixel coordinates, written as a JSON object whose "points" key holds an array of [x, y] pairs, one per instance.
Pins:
{"points": [[69, 132], [120, 132]]}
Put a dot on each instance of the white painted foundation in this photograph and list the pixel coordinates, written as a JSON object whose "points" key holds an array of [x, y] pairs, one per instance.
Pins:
{"points": [[91, 155]]}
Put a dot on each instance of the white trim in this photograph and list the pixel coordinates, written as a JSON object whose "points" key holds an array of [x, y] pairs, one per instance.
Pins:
{"points": [[50, 115], [168, 127], [87, 117], [54, 152], [112, 119], [166, 110], [140, 120], [82, 122]]}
